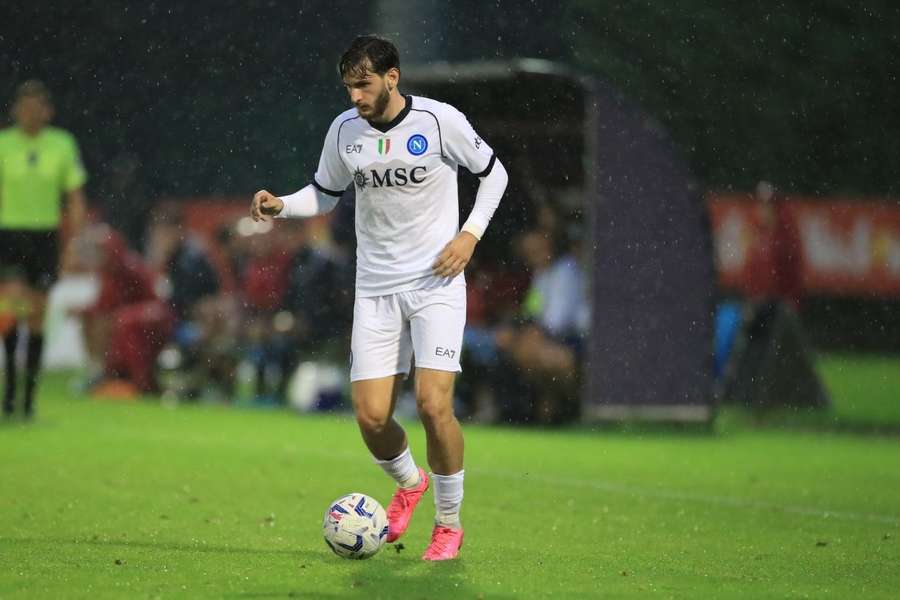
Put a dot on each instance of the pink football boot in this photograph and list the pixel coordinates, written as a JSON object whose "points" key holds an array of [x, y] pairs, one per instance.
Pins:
{"points": [[445, 543], [402, 505]]}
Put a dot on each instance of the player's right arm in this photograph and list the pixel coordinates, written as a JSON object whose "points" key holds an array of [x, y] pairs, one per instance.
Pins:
{"points": [[317, 198], [308, 202]]}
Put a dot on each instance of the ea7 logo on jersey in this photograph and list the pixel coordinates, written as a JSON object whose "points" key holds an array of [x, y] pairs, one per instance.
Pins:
{"points": [[351, 148], [395, 177]]}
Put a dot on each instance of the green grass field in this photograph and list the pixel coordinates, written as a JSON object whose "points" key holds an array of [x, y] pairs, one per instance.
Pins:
{"points": [[103, 499], [865, 389]]}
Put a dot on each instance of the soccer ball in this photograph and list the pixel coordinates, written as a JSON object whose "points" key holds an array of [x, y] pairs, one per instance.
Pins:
{"points": [[355, 526]]}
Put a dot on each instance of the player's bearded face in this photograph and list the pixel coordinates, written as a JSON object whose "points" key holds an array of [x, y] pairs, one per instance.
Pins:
{"points": [[370, 96], [382, 100]]}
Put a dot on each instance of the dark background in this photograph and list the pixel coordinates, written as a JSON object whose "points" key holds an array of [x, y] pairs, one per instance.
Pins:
{"points": [[223, 97], [185, 99]]}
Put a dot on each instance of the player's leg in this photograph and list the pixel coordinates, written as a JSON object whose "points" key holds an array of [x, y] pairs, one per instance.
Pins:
{"points": [[11, 301], [41, 268], [434, 397], [434, 400], [381, 353], [34, 349], [10, 342], [373, 404], [437, 319]]}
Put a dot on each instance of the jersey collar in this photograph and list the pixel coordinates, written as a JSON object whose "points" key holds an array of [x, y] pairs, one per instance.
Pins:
{"points": [[385, 127], [29, 138]]}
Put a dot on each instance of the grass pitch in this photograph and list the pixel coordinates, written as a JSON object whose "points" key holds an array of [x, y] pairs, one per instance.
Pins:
{"points": [[135, 500]]}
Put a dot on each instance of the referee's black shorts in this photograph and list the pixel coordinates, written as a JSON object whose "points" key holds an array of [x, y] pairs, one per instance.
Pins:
{"points": [[30, 255]]}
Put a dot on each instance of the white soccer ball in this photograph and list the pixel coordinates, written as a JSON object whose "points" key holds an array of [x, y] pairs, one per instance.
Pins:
{"points": [[355, 526]]}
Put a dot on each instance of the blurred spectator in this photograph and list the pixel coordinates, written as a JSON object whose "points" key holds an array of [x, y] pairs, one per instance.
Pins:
{"points": [[320, 294], [181, 259], [128, 324], [556, 299], [264, 278], [266, 335], [539, 357], [189, 280], [203, 363], [778, 258], [235, 250]]}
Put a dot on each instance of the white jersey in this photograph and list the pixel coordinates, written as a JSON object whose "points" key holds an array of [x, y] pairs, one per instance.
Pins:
{"points": [[407, 203]]}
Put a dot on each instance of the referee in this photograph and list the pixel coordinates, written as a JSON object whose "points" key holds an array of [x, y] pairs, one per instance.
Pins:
{"points": [[39, 166]]}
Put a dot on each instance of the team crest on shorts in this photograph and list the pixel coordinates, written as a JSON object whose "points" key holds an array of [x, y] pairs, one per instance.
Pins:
{"points": [[417, 144]]}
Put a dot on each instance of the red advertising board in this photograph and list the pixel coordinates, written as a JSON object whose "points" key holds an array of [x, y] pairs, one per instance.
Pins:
{"points": [[807, 246]]}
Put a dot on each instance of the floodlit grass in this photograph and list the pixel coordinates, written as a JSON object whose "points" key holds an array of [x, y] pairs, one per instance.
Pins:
{"points": [[864, 389], [101, 499]]}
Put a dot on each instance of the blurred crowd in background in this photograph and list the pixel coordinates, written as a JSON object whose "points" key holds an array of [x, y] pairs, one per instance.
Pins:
{"points": [[260, 313], [192, 300]]}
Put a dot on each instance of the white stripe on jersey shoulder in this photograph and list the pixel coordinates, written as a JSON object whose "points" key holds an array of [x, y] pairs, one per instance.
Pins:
{"points": [[342, 119], [432, 105]]}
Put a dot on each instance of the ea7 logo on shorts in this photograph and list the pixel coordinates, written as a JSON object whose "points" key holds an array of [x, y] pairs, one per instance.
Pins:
{"points": [[445, 352], [417, 144]]}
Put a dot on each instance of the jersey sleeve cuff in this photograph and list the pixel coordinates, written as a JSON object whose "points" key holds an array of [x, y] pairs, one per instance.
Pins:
{"points": [[474, 229], [488, 168], [326, 190]]}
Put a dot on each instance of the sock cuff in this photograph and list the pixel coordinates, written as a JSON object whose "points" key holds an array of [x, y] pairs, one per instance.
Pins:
{"points": [[448, 478], [406, 452]]}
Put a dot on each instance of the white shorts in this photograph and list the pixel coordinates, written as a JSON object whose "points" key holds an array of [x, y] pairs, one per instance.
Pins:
{"points": [[389, 330]]}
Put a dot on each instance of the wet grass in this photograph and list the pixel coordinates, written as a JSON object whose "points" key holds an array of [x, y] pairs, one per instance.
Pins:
{"points": [[104, 499]]}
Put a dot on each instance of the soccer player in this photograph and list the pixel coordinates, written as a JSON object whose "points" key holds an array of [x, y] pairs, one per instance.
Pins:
{"points": [[39, 165], [402, 154]]}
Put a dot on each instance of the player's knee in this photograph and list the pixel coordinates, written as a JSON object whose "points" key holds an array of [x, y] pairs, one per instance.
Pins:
{"points": [[435, 405], [372, 422]]}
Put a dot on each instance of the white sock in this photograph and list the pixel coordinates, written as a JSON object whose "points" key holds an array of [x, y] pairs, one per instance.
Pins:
{"points": [[448, 496], [402, 468]]}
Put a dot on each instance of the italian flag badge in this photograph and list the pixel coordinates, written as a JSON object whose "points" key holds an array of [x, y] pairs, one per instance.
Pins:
{"points": [[384, 145]]}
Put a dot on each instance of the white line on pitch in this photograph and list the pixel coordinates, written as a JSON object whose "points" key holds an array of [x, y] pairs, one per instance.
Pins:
{"points": [[662, 494], [689, 497]]}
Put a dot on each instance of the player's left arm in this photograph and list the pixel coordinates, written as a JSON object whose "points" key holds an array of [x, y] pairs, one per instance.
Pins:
{"points": [[464, 146], [76, 209], [74, 177]]}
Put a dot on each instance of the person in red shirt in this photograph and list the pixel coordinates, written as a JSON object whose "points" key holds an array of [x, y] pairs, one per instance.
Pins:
{"points": [[774, 261], [129, 324]]}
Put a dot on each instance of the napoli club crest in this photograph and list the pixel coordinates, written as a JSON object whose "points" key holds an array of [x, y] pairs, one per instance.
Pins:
{"points": [[417, 144]]}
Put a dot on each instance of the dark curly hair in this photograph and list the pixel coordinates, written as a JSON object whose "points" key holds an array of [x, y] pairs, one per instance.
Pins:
{"points": [[369, 53]]}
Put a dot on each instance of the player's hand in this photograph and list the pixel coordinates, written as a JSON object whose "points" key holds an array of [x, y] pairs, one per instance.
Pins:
{"points": [[265, 205], [455, 255]]}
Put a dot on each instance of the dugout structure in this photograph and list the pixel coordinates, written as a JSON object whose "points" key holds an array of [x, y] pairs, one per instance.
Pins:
{"points": [[577, 142]]}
